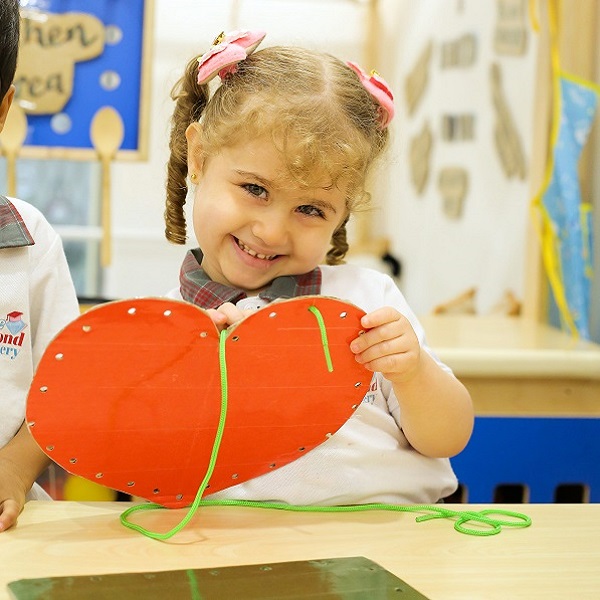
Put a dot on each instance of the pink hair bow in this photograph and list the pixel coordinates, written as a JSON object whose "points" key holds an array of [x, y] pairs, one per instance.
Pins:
{"points": [[379, 89], [227, 51]]}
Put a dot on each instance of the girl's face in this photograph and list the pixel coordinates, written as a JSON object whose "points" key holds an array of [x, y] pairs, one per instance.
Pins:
{"points": [[253, 224]]}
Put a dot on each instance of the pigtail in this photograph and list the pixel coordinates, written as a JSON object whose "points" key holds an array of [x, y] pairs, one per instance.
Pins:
{"points": [[190, 100], [339, 243]]}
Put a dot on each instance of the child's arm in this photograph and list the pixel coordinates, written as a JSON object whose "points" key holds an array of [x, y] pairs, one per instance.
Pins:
{"points": [[436, 408], [21, 462]]}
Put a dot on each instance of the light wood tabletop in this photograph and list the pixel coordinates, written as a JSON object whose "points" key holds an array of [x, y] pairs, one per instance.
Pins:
{"points": [[513, 346], [518, 367], [558, 556]]}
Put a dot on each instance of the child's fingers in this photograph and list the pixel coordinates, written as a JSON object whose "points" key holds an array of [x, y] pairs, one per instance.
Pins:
{"points": [[380, 349], [386, 356], [390, 346], [9, 511], [218, 318], [391, 363], [232, 313], [389, 330], [385, 314], [227, 314]]}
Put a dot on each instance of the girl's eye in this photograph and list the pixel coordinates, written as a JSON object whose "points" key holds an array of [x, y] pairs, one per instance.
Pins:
{"points": [[255, 190], [311, 211]]}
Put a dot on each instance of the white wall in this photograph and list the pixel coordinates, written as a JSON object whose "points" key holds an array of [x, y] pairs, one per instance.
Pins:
{"points": [[443, 257]]}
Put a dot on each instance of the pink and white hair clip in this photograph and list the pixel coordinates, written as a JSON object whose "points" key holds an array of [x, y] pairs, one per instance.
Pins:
{"points": [[227, 51], [379, 89]]}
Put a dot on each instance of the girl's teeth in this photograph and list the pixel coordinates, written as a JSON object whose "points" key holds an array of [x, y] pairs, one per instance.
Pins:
{"points": [[252, 253]]}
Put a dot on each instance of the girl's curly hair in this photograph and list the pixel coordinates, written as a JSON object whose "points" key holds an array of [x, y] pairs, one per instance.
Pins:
{"points": [[311, 104]]}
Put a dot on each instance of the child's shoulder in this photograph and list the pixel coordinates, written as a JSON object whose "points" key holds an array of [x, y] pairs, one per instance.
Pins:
{"points": [[363, 286], [31, 218], [22, 208], [355, 274], [24, 225]]}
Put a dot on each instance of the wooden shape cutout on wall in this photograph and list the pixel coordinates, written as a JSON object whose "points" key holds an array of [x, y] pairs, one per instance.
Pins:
{"points": [[461, 52], [458, 128], [416, 81], [508, 142], [46, 85], [463, 304], [509, 305], [453, 183], [420, 156], [510, 36]]}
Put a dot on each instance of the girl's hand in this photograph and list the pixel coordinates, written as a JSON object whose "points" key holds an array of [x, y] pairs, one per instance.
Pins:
{"points": [[437, 412], [10, 509], [227, 314], [389, 345], [12, 495]]}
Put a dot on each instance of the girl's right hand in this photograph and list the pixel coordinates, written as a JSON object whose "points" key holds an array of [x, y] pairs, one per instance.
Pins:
{"points": [[227, 314]]}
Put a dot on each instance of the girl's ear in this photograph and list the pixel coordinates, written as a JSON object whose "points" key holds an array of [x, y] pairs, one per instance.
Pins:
{"points": [[195, 159]]}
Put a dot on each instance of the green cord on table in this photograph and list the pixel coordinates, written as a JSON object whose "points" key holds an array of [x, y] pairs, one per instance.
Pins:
{"points": [[432, 511]]}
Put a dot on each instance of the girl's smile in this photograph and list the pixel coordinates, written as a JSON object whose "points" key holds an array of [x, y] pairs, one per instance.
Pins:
{"points": [[252, 222], [254, 258]]}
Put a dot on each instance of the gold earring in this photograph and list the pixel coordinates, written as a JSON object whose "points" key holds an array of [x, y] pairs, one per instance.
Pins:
{"points": [[193, 176]]}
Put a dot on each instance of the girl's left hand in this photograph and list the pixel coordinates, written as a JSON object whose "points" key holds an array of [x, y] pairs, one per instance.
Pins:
{"points": [[389, 345]]}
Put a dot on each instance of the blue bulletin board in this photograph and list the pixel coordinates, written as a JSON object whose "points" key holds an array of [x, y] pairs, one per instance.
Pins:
{"points": [[55, 36]]}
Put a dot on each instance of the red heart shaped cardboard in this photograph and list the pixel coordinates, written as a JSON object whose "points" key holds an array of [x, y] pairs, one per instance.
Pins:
{"points": [[129, 394]]}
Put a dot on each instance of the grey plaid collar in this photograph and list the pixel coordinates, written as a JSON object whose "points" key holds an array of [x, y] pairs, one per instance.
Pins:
{"points": [[199, 289], [13, 231]]}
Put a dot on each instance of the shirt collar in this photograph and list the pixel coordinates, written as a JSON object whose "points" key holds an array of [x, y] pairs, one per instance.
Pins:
{"points": [[199, 289], [13, 231]]}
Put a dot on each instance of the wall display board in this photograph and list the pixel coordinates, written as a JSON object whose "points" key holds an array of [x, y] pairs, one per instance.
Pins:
{"points": [[464, 134], [76, 58]]}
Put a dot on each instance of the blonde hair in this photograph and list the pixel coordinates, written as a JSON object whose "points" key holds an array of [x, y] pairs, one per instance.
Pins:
{"points": [[313, 106]]}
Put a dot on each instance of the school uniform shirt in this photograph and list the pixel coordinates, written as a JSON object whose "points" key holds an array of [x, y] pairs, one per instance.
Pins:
{"points": [[369, 458], [37, 299]]}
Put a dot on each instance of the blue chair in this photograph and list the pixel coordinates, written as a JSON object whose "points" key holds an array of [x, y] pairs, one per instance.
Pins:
{"points": [[539, 453]]}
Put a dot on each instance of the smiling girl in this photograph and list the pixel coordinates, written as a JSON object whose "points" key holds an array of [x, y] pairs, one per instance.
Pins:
{"points": [[278, 156]]}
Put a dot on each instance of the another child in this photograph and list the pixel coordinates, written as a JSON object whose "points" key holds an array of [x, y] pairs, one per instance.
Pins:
{"points": [[37, 299], [279, 154]]}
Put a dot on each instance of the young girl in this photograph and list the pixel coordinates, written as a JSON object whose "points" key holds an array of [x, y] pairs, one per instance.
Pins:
{"points": [[279, 155]]}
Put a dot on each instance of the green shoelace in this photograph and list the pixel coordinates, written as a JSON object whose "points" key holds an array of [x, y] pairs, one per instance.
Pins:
{"points": [[478, 523]]}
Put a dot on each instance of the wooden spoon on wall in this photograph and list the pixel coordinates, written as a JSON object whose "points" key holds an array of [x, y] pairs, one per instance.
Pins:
{"points": [[12, 137], [106, 133]]}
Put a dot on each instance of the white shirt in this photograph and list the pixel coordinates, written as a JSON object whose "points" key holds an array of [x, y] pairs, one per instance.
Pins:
{"points": [[37, 299], [369, 458]]}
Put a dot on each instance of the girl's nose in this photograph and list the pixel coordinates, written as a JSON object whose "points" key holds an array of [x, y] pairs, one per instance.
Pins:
{"points": [[271, 229]]}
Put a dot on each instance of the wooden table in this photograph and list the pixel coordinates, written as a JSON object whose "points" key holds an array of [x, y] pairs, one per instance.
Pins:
{"points": [[557, 557], [518, 367]]}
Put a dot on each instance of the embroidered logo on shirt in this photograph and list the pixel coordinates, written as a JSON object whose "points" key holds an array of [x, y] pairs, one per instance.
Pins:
{"points": [[12, 334]]}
